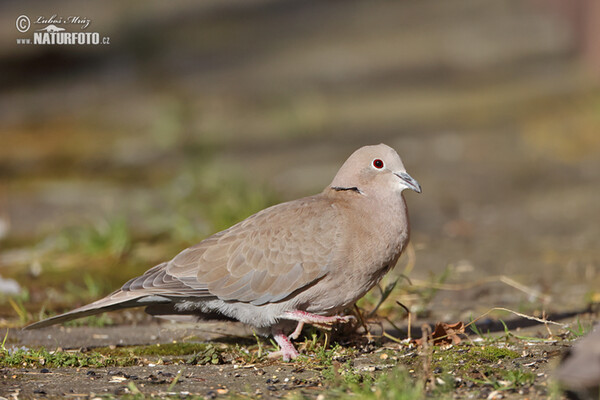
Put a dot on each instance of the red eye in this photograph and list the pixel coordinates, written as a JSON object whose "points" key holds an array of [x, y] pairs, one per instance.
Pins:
{"points": [[377, 163]]}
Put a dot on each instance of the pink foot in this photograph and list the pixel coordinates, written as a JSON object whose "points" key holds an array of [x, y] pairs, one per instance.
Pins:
{"points": [[288, 351]]}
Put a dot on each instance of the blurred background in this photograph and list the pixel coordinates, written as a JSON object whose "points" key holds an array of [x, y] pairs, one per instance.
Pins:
{"points": [[197, 114]]}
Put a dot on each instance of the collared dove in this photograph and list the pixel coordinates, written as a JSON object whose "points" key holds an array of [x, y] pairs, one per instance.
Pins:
{"points": [[579, 371], [299, 262]]}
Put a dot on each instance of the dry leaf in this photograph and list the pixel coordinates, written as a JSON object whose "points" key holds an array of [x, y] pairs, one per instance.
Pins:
{"points": [[444, 334]]}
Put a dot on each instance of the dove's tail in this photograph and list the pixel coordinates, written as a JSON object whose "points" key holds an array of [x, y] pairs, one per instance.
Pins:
{"points": [[116, 301]]}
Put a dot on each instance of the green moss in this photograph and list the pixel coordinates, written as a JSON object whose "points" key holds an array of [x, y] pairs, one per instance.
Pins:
{"points": [[493, 354], [109, 356], [36, 358], [465, 358]]}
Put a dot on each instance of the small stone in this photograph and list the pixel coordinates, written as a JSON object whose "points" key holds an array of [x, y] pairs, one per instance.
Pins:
{"points": [[44, 370]]}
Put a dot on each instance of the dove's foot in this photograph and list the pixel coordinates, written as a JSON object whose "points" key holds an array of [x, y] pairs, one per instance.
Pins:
{"points": [[288, 351]]}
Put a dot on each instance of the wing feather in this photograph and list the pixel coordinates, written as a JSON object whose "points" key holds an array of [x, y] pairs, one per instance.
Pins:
{"points": [[266, 257], [262, 259]]}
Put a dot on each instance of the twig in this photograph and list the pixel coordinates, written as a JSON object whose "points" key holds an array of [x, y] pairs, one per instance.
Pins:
{"points": [[409, 318], [550, 335], [362, 322], [427, 354], [529, 317], [395, 339]]}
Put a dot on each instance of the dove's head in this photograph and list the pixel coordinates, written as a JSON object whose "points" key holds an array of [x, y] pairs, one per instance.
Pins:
{"points": [[374, 168]]}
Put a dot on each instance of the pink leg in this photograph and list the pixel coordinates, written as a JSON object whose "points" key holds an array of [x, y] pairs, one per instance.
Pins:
{"points": [[314, 319], [288, 351], [296, 334]]}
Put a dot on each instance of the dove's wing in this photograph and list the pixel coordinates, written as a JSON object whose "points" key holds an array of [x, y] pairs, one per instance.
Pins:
{"points": [[262, 259]]}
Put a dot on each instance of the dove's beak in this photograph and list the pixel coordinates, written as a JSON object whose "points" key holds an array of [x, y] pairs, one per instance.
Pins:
{"points": [[409, 180]]}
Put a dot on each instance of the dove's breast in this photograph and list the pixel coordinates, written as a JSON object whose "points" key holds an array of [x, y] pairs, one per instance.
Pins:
{"points": [[372, 244]]}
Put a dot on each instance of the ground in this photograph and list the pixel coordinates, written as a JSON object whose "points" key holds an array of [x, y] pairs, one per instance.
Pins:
{"points": [[503, 366]]}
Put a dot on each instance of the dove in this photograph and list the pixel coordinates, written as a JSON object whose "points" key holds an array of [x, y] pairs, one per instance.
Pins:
{"points": [[295, 263], [579, 370]]}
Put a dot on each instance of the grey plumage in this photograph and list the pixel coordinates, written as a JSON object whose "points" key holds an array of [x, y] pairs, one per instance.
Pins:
{"points": [[303, 260], [579, 371]]}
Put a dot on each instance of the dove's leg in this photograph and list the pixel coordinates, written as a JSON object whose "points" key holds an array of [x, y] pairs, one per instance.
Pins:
{"points": [[288, 351], [314, 319], [297, 331]]}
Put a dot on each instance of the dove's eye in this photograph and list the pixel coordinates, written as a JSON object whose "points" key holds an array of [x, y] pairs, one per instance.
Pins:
{"points": [[377, 163]]}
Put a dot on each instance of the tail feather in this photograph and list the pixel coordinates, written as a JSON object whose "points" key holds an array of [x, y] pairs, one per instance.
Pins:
{"points": [[115, 301]]}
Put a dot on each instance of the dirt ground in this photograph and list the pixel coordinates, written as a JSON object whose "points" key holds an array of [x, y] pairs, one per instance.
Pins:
{"points": [[172, 376]]}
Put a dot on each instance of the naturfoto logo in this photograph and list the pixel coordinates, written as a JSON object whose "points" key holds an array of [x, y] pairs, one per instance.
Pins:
{"points": [[57, 31]]}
